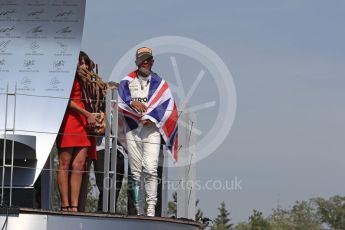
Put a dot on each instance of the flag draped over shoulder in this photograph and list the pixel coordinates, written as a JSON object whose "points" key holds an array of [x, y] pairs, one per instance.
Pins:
{"points": [[161, 110]]}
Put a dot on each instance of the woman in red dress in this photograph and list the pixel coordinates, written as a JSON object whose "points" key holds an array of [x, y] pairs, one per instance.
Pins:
{"points": [[74, 144]]}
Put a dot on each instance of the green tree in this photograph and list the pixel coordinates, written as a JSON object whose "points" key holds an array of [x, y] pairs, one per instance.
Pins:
{"points": [[56, 193], [242, 226], [281, 220], [258, 222], [172, 205], [199, 215], [92, 199], [172, 209], [302, 216], [122, 200], [223, 221], [331, 211]]}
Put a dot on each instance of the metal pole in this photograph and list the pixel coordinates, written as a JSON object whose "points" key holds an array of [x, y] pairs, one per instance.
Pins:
{"points": [[105, 207], [4, 153], [13, 131], [187, 170], [114, 128], [182, 164], [191, 173]]}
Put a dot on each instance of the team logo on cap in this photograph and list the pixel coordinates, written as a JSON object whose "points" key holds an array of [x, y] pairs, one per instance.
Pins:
{"points": [[143, 50]]}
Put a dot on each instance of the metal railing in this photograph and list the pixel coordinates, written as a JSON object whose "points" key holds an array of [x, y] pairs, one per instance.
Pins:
{"points": [[5, 165]]}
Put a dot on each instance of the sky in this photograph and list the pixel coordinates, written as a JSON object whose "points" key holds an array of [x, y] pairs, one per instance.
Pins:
{"points": [[286, 60]]}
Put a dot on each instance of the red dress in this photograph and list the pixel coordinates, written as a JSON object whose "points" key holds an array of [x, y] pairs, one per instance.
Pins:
{"points": [[73, 131]]}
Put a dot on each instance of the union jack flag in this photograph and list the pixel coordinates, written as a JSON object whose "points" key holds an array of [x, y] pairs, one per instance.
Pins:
{"points": [[161, 110]]}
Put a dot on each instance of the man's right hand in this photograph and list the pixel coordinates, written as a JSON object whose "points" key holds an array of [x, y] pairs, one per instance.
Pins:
{"points": [[138, 106]]}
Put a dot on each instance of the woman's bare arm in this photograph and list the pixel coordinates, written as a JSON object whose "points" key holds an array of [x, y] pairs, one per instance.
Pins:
{"points": [[91, 121]]}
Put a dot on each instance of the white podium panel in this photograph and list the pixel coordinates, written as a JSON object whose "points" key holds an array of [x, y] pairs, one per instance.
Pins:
{"points": [[39, 46]]}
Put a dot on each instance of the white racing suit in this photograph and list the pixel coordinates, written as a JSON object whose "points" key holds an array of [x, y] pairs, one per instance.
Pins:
{"points": [[143, 146]]}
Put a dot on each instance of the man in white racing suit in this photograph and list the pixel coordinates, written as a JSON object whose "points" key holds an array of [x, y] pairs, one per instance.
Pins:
{"points": [[143, 142]]}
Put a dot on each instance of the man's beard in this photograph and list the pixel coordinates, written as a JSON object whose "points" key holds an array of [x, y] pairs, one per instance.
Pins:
{"points": [[144, 71]]}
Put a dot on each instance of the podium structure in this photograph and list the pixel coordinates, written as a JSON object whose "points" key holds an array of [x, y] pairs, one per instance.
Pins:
{"points": [[19, 166], [39, 46]]}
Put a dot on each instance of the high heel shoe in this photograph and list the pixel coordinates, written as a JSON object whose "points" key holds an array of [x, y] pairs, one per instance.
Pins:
{"points": [[73, 209], [64, 208]]}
